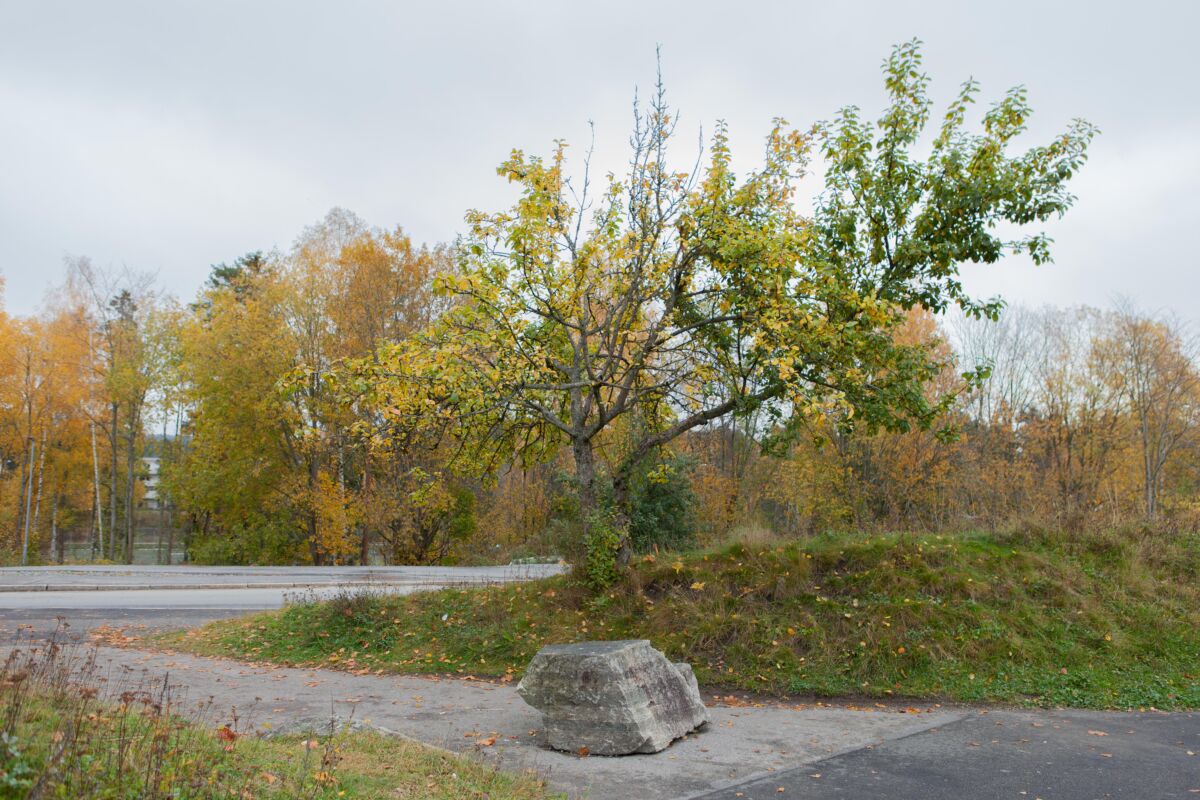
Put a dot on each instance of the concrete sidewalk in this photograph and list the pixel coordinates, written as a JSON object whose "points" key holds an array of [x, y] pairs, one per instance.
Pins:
{"points": [[740, 744]]}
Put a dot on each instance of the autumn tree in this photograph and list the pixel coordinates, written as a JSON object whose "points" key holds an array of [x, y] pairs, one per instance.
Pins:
{"points": [[46, 479], [280, 461], [681, 298], [117, 305], [234, 350], [1151, 363]]}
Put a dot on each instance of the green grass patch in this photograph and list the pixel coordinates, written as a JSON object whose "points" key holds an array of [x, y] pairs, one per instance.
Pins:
{"points": [[1108, 620]]}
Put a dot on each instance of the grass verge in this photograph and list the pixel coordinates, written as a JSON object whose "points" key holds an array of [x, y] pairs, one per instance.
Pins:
{"points": [[63, 736], [1107, 620]]}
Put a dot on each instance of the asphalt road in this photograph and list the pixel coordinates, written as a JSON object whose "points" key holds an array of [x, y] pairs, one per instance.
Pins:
{"points": [[152, 597], [995, 755], [87, 577]]}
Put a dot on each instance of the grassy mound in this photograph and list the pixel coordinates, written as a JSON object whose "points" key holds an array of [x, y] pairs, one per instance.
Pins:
{"points": [[1104, 621]]}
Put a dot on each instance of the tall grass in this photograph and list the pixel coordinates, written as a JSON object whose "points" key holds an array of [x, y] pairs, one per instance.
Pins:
{"points": [[68, 730]]}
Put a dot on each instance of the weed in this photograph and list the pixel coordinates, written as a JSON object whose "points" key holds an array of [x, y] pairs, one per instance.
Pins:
{"points": [[68, 734]]}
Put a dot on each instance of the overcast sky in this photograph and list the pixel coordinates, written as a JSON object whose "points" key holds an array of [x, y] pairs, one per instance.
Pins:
{"points": [[167, 136]]}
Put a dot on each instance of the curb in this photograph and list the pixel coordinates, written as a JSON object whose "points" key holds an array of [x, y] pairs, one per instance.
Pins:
{"points": [[112, 587]]}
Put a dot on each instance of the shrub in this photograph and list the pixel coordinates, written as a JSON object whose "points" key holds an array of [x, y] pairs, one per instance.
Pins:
{"points": [[662, 505], [603, 543]]}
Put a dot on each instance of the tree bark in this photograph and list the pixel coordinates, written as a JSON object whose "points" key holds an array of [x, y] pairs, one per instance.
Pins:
{"points": [[112, 481], [311, 520], [41, 474], [162, 505], [28, 500], [56, 543], [98, 507], [20, 515], [585, 474], [130, 477], [365, 554], [27, 467]]}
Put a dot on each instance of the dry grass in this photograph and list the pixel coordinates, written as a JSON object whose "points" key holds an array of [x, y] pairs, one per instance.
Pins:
{"points": [[66, 733]]}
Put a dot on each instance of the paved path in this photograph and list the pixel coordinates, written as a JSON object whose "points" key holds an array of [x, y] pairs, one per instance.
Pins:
{"points": [[740, 744]]}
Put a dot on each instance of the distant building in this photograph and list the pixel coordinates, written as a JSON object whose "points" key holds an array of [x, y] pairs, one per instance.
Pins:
{"points": [[150, 476]]}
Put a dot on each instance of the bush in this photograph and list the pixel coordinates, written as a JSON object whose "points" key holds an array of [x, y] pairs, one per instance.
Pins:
{"points": [[659, 513], [662, 505], [603, 542], [261, 541]]}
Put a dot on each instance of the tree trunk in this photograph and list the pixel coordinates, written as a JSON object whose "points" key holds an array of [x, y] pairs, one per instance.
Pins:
{"points": [[365, 553], [112, 482], [92, 530], [310, 521], [130, 475], [98, 507], [314, 551], [177, 454], [26, 467], [162, 500], [1147, 465], [620, 486], [131, 460], [188, 531], [20, 515], [41, 474], [56, 544], [585, 474], [170, 538], [28, 500], [162, 530]]}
